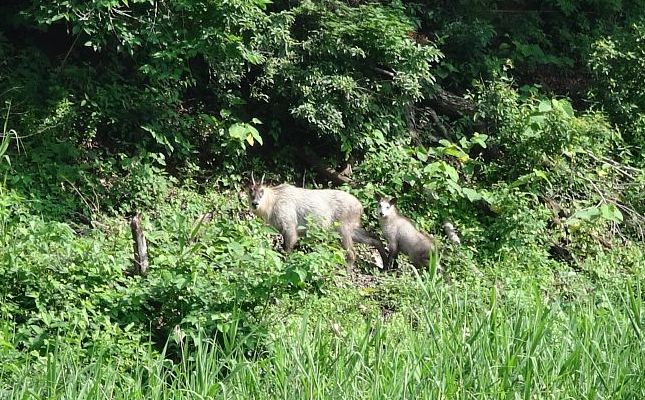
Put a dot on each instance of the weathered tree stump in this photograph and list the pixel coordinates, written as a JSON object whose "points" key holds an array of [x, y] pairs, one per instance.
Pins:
{"points": [[140, 246]]}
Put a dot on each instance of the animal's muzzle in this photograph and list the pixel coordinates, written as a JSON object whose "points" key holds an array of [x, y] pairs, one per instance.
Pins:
{"points": [[255, 204]]}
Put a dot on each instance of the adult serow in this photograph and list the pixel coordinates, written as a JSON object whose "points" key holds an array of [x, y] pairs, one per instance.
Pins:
{"points": [[287, 208]]}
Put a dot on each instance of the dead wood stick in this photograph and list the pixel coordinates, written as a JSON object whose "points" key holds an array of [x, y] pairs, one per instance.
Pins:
{"points": [[442, 129], [140, 246], [384, 72]]}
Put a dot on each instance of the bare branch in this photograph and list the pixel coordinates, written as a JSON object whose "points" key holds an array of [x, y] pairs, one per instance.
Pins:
{"points": [[384, 72]]}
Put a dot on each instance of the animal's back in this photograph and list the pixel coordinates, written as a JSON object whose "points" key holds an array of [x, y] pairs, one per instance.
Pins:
{"points": [[327, 204], [409, 239], [413, 239]]}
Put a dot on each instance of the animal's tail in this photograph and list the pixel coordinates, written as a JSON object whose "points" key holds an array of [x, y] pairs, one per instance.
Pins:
{"points": [[451, 232], [360, 235]]}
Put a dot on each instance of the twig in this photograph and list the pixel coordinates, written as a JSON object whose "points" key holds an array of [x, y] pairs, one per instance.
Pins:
{"points": [[636, 217], [10, 89], [602, 196], [69, 51], [438, 124], [94, 208], [618, 166]]}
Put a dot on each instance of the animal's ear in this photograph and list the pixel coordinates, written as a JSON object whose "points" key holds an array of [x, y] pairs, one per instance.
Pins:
{"points": [[377, 197], [393, 201], [248, 185]]}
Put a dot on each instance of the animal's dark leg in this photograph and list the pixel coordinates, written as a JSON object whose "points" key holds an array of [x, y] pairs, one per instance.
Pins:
{"points": [[360, 235], [394, 252]]}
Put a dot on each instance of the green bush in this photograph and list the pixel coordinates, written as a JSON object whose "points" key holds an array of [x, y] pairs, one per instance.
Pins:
{"points": [[335, 69], [116, 107], [78, 288], [467, 344], [535, 132], [129, 82], [618, 64]]}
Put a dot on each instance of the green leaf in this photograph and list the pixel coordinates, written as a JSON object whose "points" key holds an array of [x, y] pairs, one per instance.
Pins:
{"points": [[565, 107], [479, 139], [471, 194], [4, 144], [540, 174], [431, 168], [587, 214], [452, 151], [450, 171], [252, 57], [237, 131], [245, 132], [611, 213], [159, 138], [257, 136], [545, 106], [537, 120], [422, 155], [453, 186]]}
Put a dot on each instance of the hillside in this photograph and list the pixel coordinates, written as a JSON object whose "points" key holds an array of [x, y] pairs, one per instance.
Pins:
{"points": [[519, 122]]}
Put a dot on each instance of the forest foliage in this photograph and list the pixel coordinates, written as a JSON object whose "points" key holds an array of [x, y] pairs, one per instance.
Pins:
{"points": [[522, 122]]}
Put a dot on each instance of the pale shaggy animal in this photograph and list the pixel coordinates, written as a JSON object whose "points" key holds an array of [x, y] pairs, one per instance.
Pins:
{"points": [[402, 235], [286, 208]]}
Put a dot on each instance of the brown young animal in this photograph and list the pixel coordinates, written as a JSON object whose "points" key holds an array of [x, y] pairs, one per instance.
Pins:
{"points": [[286, 208], [402, 235]]}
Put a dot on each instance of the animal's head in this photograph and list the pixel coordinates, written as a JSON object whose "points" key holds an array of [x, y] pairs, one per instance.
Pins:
{"points": [[386, 206], [256, 192]]}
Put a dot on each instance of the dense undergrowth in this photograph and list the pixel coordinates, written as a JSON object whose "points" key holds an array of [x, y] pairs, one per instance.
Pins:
{"points": [[112, 108]]}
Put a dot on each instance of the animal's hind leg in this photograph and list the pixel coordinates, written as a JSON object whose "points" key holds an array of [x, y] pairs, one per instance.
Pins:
{"points": [[348, 243], [360, 235]]}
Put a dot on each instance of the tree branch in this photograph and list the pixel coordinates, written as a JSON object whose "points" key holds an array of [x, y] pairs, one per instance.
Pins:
{"points": [[316, 163]]}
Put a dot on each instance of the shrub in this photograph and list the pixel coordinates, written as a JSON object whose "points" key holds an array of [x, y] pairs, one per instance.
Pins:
{"points": [[535, 132], [336, 68], [618, 64]]}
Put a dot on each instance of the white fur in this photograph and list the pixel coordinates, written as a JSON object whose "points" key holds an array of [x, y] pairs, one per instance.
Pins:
{"points": [[287, 208]]}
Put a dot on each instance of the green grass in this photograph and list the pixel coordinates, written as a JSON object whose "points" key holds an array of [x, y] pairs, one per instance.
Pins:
{"points": [[452, 344]]}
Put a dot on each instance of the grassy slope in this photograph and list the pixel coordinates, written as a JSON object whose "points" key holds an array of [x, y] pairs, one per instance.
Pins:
{"points": [[490, 331], [450, 345]]}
